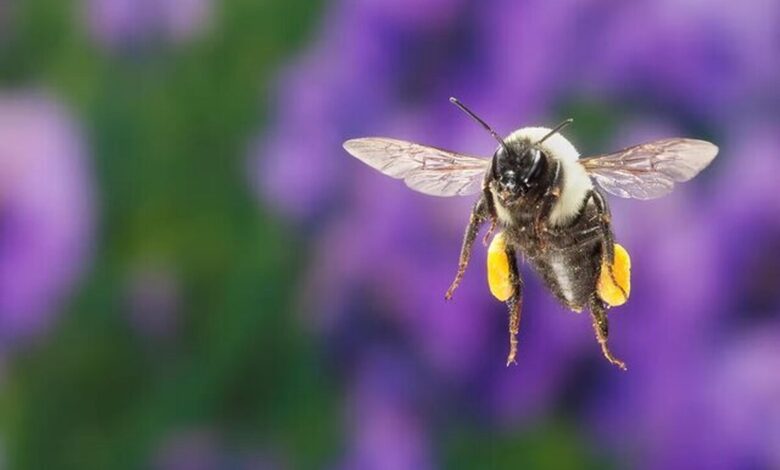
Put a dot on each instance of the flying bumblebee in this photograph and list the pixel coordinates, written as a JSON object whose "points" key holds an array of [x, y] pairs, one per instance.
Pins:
{"points": [[539, 193]]}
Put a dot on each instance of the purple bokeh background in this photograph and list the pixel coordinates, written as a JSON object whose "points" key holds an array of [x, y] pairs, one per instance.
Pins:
{"points": [[46, 211], [701, 332], [143, 299], [128, 24]]}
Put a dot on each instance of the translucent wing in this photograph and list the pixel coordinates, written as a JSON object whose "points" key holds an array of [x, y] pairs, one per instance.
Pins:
{"points": [[425, 169], [650, 170]]}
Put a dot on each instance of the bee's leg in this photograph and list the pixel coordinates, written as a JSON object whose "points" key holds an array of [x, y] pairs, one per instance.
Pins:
{"points": [[607, 240], [491, 213], [605, 220], [478, 216], [548, 200], [515, 305], [489, 233], [598, 311]]}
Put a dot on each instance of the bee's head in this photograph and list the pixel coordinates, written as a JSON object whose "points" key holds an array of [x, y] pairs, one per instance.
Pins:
{"points": [[517, 169]]}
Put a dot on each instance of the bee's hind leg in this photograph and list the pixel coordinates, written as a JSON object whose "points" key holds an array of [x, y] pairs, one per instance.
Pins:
{"points": [[607, 240], [478, 216], [515, 305], [605, 221], [598, 311]]}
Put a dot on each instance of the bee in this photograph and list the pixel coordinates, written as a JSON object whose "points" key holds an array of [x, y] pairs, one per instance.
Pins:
{"points": [[540, 194]]}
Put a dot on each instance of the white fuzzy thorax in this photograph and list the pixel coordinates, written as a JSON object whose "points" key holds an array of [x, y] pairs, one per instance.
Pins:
{"points": [[576, 182]]}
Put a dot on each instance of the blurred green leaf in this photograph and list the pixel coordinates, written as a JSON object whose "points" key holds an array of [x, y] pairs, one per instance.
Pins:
{"points": [[550, 445]]}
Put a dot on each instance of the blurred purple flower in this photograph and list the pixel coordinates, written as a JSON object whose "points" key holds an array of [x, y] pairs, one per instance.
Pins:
{"points": [[154, 300], [386, 422], [46, 210], [385, 253], [6, 21], [710, 59], [204, 449], [742, 373], [121, 24], [190, 450], [694, 294]]}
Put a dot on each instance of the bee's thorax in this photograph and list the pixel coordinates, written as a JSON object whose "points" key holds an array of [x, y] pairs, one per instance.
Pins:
{"points": [[576, 182]]}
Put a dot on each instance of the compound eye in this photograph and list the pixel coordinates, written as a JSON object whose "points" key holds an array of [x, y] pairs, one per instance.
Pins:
{"points": [[533, 156], [535, 164]]}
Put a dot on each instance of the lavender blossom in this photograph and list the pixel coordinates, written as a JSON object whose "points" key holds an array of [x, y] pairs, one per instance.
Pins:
{"points": [[195, 449], [120, 24], [199, 448], [154, 300], [6, 19], [46, 210], [386, 421]]}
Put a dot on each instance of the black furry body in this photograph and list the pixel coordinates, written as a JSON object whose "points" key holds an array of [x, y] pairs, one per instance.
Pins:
{"points": [[567, 258], [520, 193]]}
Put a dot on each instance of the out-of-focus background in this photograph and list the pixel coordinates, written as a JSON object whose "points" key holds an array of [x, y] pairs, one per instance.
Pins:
{"points": [[195, 275]]}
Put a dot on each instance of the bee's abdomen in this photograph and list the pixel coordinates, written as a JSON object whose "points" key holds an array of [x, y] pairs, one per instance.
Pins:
{"points": [[568, 260], [571, 274]]}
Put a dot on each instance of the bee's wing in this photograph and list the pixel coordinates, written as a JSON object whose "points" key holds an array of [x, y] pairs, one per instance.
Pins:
{"points": [[425, 169], [648, 171]]}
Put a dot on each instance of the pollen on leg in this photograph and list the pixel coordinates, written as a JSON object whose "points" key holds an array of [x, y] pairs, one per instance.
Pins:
{"points": [[498, 273], [614, 284]]}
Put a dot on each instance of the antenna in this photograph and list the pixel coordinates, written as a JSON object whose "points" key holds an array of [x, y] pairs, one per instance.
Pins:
{"points": [[481, 122], [556, 130]]}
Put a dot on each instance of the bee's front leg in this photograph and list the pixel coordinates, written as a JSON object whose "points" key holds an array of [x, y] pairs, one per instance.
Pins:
{"points": [[489, 233], [490, 210], [478, 216], [546, 204]]}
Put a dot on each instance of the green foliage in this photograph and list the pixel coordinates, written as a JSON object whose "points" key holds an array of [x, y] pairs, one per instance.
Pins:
{"points": [[547, 445]]}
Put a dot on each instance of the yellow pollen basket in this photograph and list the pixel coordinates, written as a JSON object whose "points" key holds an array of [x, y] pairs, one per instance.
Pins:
{"points": [[621, 269], [498, 269]]}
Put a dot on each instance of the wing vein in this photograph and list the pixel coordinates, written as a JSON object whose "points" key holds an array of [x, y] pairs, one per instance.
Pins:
{"points": [[648, 171], [429, 170]]}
